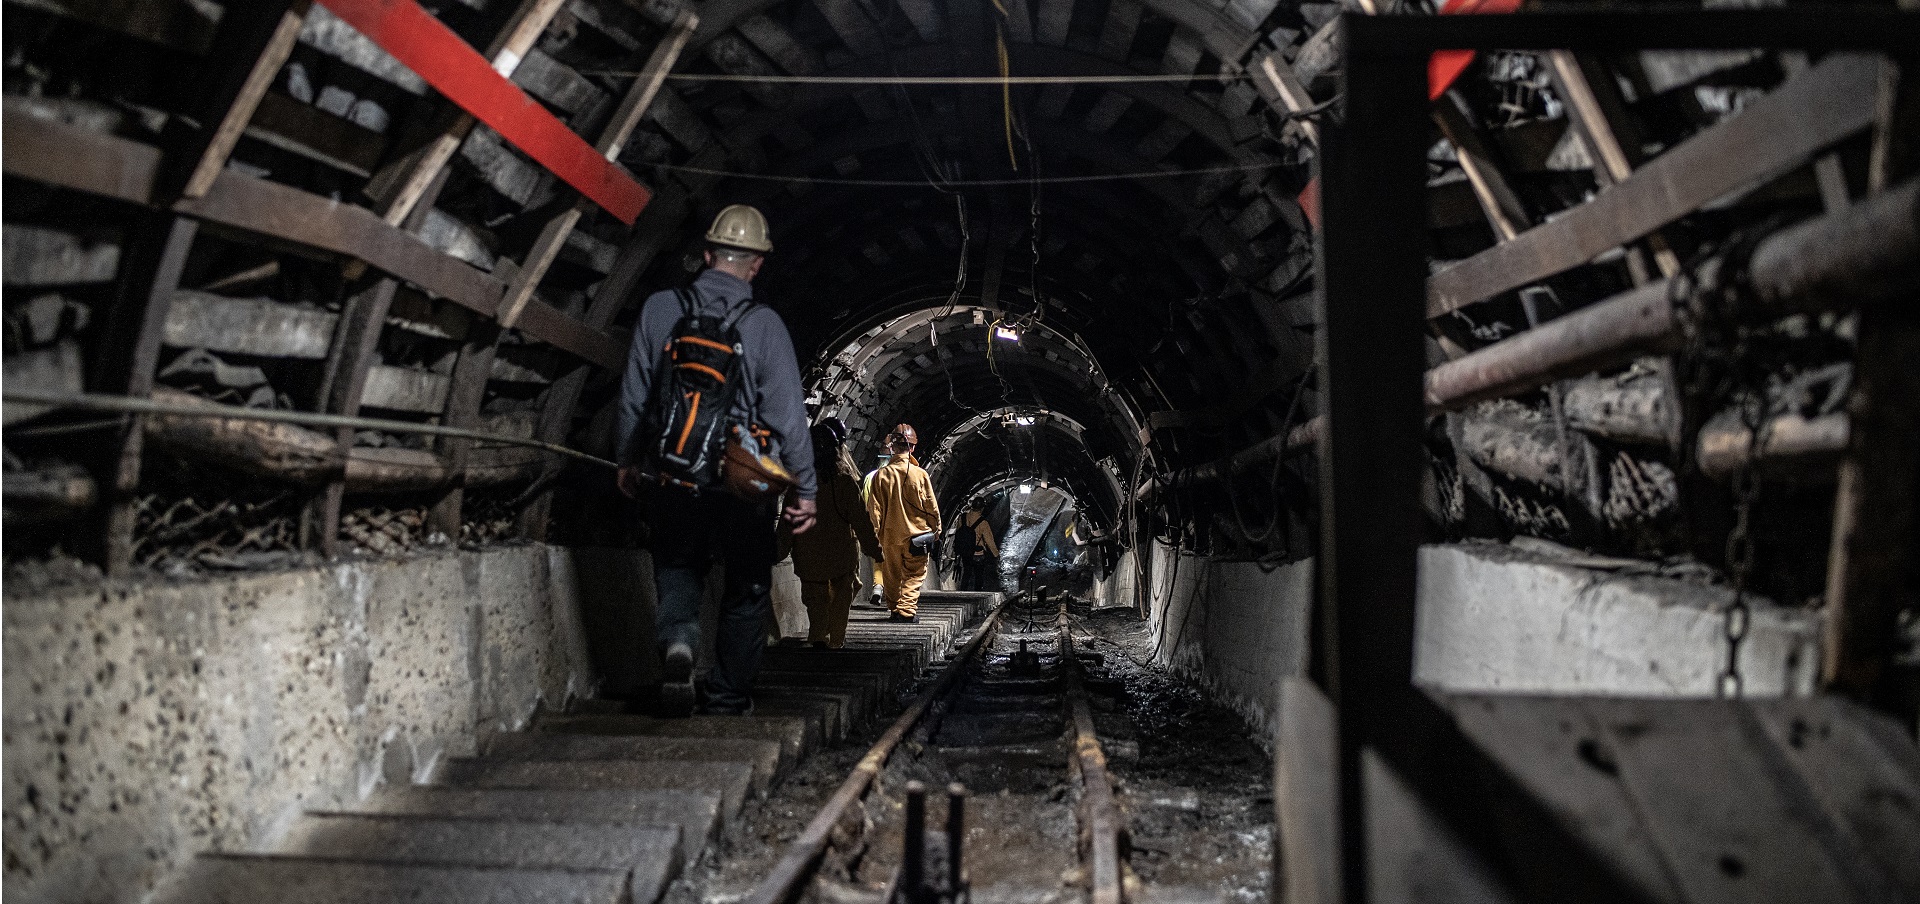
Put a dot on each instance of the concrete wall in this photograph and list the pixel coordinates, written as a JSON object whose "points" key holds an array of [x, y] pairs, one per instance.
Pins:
{"points": [[1490, 617], [148, 721]]}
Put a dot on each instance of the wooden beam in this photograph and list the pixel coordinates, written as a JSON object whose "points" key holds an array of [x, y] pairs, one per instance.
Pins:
{"points": [[427, 46], [1598, 114], [1876, 512], [150, 276], [1497, 199], [1277, 78], [633, 108], [412, 174], [1831, 102], [475, 363], [41, 149], [264, 33]]}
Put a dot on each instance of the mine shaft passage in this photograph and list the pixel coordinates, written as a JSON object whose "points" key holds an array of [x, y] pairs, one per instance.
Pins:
{"points": [[947, 451]]}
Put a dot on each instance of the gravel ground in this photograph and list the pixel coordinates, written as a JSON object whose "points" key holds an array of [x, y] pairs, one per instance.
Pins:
{"points": [[1194, 781]]}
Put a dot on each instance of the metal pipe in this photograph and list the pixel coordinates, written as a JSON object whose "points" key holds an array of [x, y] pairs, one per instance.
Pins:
{"points": [[128, 405], [1866, 253], [1786, 440], [802, 857]]}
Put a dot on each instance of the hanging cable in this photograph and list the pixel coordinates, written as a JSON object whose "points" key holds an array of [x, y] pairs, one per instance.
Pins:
{"points": [[939, 80], [965, 183], [130, 405]]}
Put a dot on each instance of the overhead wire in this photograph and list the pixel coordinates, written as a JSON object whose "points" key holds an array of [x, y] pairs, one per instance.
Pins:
{"points": [[932, 80], [131, 405], [965, 183]]}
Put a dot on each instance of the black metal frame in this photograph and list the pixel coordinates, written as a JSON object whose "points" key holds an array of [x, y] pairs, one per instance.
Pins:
{"points": [[1373, 270]]}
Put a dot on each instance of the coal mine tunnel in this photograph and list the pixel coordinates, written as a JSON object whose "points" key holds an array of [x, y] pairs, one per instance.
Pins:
{"points": [[1383, 450]]}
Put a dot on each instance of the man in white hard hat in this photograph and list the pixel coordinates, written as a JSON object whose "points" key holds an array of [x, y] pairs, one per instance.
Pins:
{"points": [[691, 529]]}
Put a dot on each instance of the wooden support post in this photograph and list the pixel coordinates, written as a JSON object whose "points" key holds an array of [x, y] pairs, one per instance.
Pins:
{"points": [[477, 355], [349, 359], [264, 33], [1871, 570], [407, 179], [1497, 199], [613, 293], [633, 107], [149, 276], [1276, 75], [1599, 117], [468, 392], [1372, 175]]}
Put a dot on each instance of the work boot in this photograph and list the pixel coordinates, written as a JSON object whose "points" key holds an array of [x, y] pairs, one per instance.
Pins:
{"points": [[913, 619], [677, 696]]}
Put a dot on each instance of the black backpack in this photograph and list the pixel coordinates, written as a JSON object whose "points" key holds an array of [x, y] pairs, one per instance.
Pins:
{"points": [[694, 385]]}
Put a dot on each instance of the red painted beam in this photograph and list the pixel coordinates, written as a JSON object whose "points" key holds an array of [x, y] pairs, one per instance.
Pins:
{"points": [[431, 49], [1445, 66]]}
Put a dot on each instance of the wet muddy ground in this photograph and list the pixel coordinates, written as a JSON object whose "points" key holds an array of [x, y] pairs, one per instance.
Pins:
{"points": [[1193, 782]]}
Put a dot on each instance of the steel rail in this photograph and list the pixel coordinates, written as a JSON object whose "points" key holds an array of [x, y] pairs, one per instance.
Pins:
{"points": [[129, 405], [803, 856], [1100, 815]]}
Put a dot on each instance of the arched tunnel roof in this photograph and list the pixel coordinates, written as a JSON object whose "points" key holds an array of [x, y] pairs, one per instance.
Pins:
{"points": [[1156, 293]]}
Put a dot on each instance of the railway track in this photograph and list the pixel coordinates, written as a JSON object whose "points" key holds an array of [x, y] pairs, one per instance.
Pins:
{"points": [[1007, 718]]}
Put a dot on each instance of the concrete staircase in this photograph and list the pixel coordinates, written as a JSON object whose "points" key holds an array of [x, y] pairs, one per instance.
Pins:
{"points": [[595, 804]]}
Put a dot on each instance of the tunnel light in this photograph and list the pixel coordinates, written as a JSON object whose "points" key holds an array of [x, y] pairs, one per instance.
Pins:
{"points": [[1025, 420], [1009, 333], [1026, 488]]}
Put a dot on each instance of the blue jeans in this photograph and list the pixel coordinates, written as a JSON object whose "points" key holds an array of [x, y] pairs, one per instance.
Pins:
{"points": [[689, 532]]}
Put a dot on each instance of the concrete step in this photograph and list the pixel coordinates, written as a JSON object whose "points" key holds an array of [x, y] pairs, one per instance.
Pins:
{"points": [[732, 781], [839, 712], [254, 878], [763, 756], [896, 665], [796, 735], [695, 813], [652, 855], [871, 687]]}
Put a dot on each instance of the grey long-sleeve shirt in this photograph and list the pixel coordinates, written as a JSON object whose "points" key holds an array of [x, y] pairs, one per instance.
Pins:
{"points": [[773, 375]]}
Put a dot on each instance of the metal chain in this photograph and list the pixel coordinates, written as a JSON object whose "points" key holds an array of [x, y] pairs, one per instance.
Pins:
{"points": [[1720, 356], [1740, 552]]}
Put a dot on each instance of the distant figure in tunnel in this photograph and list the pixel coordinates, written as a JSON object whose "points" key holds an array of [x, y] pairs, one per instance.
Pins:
{"points": [[693, 522], [979, 551], [827, 558], [900, 499]]}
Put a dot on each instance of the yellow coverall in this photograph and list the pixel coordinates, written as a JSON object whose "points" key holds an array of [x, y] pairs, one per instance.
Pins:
{"points": [[827, 557], [900, 500]]}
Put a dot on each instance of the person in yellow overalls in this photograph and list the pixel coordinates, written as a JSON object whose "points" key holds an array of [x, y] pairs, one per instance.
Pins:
{"points": [[900, 500]]}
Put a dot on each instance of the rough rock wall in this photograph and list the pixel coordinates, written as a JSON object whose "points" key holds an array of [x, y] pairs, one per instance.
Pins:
{"points": [[148, 721]]}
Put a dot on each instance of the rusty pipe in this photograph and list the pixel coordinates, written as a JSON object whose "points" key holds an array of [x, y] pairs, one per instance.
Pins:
{"points": [[1867, 253]]}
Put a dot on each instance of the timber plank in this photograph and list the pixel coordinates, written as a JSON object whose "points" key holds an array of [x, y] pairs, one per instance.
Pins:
{"points": [[1736, 822], [1864, 769], [1806, 115], [45, 150], [1552, 747]]}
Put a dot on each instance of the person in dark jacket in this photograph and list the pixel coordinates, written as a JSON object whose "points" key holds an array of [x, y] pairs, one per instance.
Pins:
{"points": [[827, 558], [689, 528]]}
